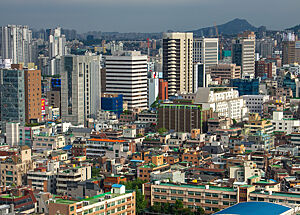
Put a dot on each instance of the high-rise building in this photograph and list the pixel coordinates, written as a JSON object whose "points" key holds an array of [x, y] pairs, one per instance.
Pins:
{"points": [[80, 88], [200, 76], [127, 74], [163, 90], [153, 88], [206, 51], [32, 81], [288, 52], [243, 54], [15, 41], [12, 94], [57, 43], [178, 61]]}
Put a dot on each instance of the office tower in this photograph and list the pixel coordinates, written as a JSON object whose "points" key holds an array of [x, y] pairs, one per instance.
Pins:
{"points": [[15, 40], [183, 117], [200, 78], [163, 90], [12, 94], [288, 52], [206, 51], [127, 74], [290, 49], [80, 88], [112, 103], [225, 72], [265, 47], [178, 61], [243, 53], [32, 81]]}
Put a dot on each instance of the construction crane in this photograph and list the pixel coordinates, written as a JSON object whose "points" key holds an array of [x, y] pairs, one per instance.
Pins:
{"points": [[220, 43]]}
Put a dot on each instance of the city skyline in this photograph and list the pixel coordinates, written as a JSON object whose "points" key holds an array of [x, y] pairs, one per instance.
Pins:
{"points": [[145, 16]]}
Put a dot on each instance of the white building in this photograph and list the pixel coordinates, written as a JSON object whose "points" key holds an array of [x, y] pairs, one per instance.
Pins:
{"points": [[127, 74], [287, 125], [178, 61], [243, 54], [254, 103], [57, 43], [15, 43], [206, 51], [153, 90], [12, 134], [226, 101], [80, 88]]}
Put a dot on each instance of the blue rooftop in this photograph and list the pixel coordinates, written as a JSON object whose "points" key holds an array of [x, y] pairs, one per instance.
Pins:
{"points": [[254, 208], [117, 185], [67, 147]]}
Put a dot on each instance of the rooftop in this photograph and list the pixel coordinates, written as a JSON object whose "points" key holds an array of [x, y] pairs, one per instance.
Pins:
{"points": [[253, 208], [199, 187]]}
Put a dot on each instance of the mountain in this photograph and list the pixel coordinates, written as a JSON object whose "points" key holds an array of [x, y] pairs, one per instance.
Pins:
{"points": [[232, 27], [294, 29]]}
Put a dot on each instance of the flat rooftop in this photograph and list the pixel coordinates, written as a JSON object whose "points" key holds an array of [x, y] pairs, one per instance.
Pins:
{"points": [[254, 208]]}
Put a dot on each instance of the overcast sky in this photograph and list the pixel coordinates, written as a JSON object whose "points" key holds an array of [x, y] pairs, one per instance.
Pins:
{"points": [[147, 15]]}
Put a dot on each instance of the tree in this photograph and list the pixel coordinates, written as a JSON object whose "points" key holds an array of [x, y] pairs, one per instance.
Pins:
{"points": [[200, 211], [141, 203], [162, 130], [95, 172]]}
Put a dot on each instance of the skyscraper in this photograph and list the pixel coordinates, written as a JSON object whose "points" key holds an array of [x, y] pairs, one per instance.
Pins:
{"points": [[243, 54], [290, 49], [206, 51], [57, 43], [127, 74], [80, 88], [12, 94], [14, 41], [32, 81], [57, 49], [178, 61]]}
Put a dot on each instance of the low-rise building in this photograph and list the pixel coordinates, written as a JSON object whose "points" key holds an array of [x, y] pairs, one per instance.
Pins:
{"points": [[71, 175], [118, 201]]}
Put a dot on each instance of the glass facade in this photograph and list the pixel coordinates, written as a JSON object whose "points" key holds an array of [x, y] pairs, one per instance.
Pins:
{"points": [[13, 96]]}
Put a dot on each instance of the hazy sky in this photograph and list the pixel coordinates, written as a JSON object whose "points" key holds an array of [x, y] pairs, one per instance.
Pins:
{"points": [[147, 15]]}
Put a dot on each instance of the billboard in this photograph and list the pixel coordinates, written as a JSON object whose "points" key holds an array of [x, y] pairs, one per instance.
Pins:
{"points": [[43, 106]]}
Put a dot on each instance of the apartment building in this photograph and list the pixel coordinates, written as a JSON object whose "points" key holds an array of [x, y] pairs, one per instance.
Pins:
{"points": [[254, 103], [15, 167], [71, 176], [117, 201], [226, 101], [178, 61], [48, 142], [43, 178], [97, 147], [213, 198]]}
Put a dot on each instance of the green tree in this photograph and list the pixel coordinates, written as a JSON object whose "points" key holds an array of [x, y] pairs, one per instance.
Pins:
{"points": [[95, 172], [141, 203], [200, 211], [162, 130]]}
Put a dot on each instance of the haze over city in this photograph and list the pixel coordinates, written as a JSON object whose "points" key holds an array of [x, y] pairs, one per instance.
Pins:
{"points": [[147, 15]]}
